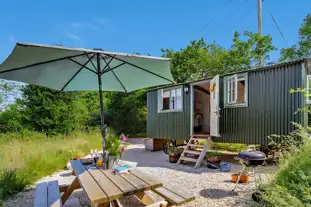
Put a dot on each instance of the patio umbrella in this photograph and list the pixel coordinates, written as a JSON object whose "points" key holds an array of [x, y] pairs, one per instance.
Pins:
{"points": [[71, 69]]}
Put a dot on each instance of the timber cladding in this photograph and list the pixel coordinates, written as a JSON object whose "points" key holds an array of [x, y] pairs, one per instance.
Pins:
{"points": [[168, 125]]}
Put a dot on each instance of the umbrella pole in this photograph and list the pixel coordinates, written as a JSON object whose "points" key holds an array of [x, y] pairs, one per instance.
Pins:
{"points": [[102, 119]]}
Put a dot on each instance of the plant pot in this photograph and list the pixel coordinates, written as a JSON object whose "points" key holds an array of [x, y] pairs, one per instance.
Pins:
{"points": [[111, 161], [243, 179], [174, 157], [215, 160]]}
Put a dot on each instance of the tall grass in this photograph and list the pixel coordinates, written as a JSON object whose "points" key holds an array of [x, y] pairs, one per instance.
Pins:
{"points": [[25, 158], [292, 183]]}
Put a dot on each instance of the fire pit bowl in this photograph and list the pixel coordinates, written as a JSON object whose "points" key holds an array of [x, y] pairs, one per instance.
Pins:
{"points": [[252, 158]]}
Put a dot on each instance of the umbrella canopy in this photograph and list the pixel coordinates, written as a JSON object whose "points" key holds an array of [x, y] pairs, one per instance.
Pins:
{"points": [[71, 69]]}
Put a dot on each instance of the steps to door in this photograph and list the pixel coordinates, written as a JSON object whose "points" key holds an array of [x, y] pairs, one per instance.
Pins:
{"points": [[190, 154], [193, 152], [189, 159]]}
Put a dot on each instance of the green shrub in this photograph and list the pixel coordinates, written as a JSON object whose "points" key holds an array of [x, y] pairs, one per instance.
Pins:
{"points": [[11, 182], [213, 154], [291, 185], [233, 147]]}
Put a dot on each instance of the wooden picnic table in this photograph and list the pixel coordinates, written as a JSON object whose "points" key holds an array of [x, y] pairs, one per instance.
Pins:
{"points": [[104, 186]]}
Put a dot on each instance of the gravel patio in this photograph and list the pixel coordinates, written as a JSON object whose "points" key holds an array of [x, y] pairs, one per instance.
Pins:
{"points": [[211, 187]]}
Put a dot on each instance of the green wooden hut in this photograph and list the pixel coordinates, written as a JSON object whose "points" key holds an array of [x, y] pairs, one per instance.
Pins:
{"points": [[243, 107]]}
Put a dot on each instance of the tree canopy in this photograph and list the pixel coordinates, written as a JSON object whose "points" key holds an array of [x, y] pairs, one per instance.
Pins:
{"points": [[303, 48], [200, 60]]}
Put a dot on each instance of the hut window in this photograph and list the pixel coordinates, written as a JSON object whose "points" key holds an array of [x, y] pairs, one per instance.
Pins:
{"points": [[236, 90], [241, 91], [166, 100], [232, 89], [170, 99]]}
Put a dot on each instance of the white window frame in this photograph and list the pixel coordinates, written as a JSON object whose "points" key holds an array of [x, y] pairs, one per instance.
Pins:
{"points": [[232, 88], [308, 89], [227, 90], [173, 97]]}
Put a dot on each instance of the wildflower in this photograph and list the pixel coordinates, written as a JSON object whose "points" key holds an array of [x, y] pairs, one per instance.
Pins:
{"points": [[122, 150], [123, 138]]}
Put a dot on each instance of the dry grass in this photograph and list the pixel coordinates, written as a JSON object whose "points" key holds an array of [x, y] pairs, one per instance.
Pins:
{"points": [[27, 158]]}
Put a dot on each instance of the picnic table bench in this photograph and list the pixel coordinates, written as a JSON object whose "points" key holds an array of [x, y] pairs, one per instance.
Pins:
{"points": [[48, 194], [104, 187]]}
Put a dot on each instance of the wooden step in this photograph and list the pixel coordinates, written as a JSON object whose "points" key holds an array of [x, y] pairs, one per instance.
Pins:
{"points": [[193, 152], [200, 153], [195, 145], [199, 138], [200, 135], [188, 159]]}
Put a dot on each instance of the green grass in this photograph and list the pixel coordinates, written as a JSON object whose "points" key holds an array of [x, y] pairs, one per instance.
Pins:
{"points": [[232, 147], [25, 158], [292, 183]]}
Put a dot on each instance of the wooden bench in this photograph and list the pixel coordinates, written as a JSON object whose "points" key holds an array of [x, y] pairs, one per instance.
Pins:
{"points": [[174, 196], [171, 197], [47, 194]]}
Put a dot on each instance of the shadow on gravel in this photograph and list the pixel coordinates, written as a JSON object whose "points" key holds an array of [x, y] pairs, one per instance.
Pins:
{"points": [[66, 174], [217, 193], [146, 158]]}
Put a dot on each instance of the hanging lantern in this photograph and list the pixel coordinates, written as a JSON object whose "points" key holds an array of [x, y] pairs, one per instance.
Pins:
{"points": [[212, 88]]}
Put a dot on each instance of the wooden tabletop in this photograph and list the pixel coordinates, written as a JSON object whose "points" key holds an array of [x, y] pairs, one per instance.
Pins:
{"points": [[102, 186]]}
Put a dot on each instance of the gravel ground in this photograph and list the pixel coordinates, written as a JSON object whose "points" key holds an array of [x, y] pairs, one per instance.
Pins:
{"points": [[210, 187]]}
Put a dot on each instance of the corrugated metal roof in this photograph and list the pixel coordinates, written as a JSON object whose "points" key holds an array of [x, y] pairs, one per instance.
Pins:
{"points": [[254, 69]]}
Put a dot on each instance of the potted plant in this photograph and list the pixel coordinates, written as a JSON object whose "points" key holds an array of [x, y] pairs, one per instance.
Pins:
{"points": [[174, 154], [243, 179], [115, 147], [213, 157]]}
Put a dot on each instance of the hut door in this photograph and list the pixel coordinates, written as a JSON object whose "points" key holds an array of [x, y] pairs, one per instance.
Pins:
{"points": [[214, 91]]}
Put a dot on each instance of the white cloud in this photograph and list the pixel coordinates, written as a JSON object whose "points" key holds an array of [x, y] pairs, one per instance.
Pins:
{"points": [[77, 29], [73, 36]]}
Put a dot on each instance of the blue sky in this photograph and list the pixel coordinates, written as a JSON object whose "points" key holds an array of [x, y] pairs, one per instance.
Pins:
{"points": [[143, 26]]}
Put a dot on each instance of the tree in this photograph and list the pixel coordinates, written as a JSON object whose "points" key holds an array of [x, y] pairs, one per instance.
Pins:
{"points": [[128, 112], [51, 111], [11, 119], [188, 61], [199, 60], [90, 99], [8, 91], [303, 48], [247, 53]]}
